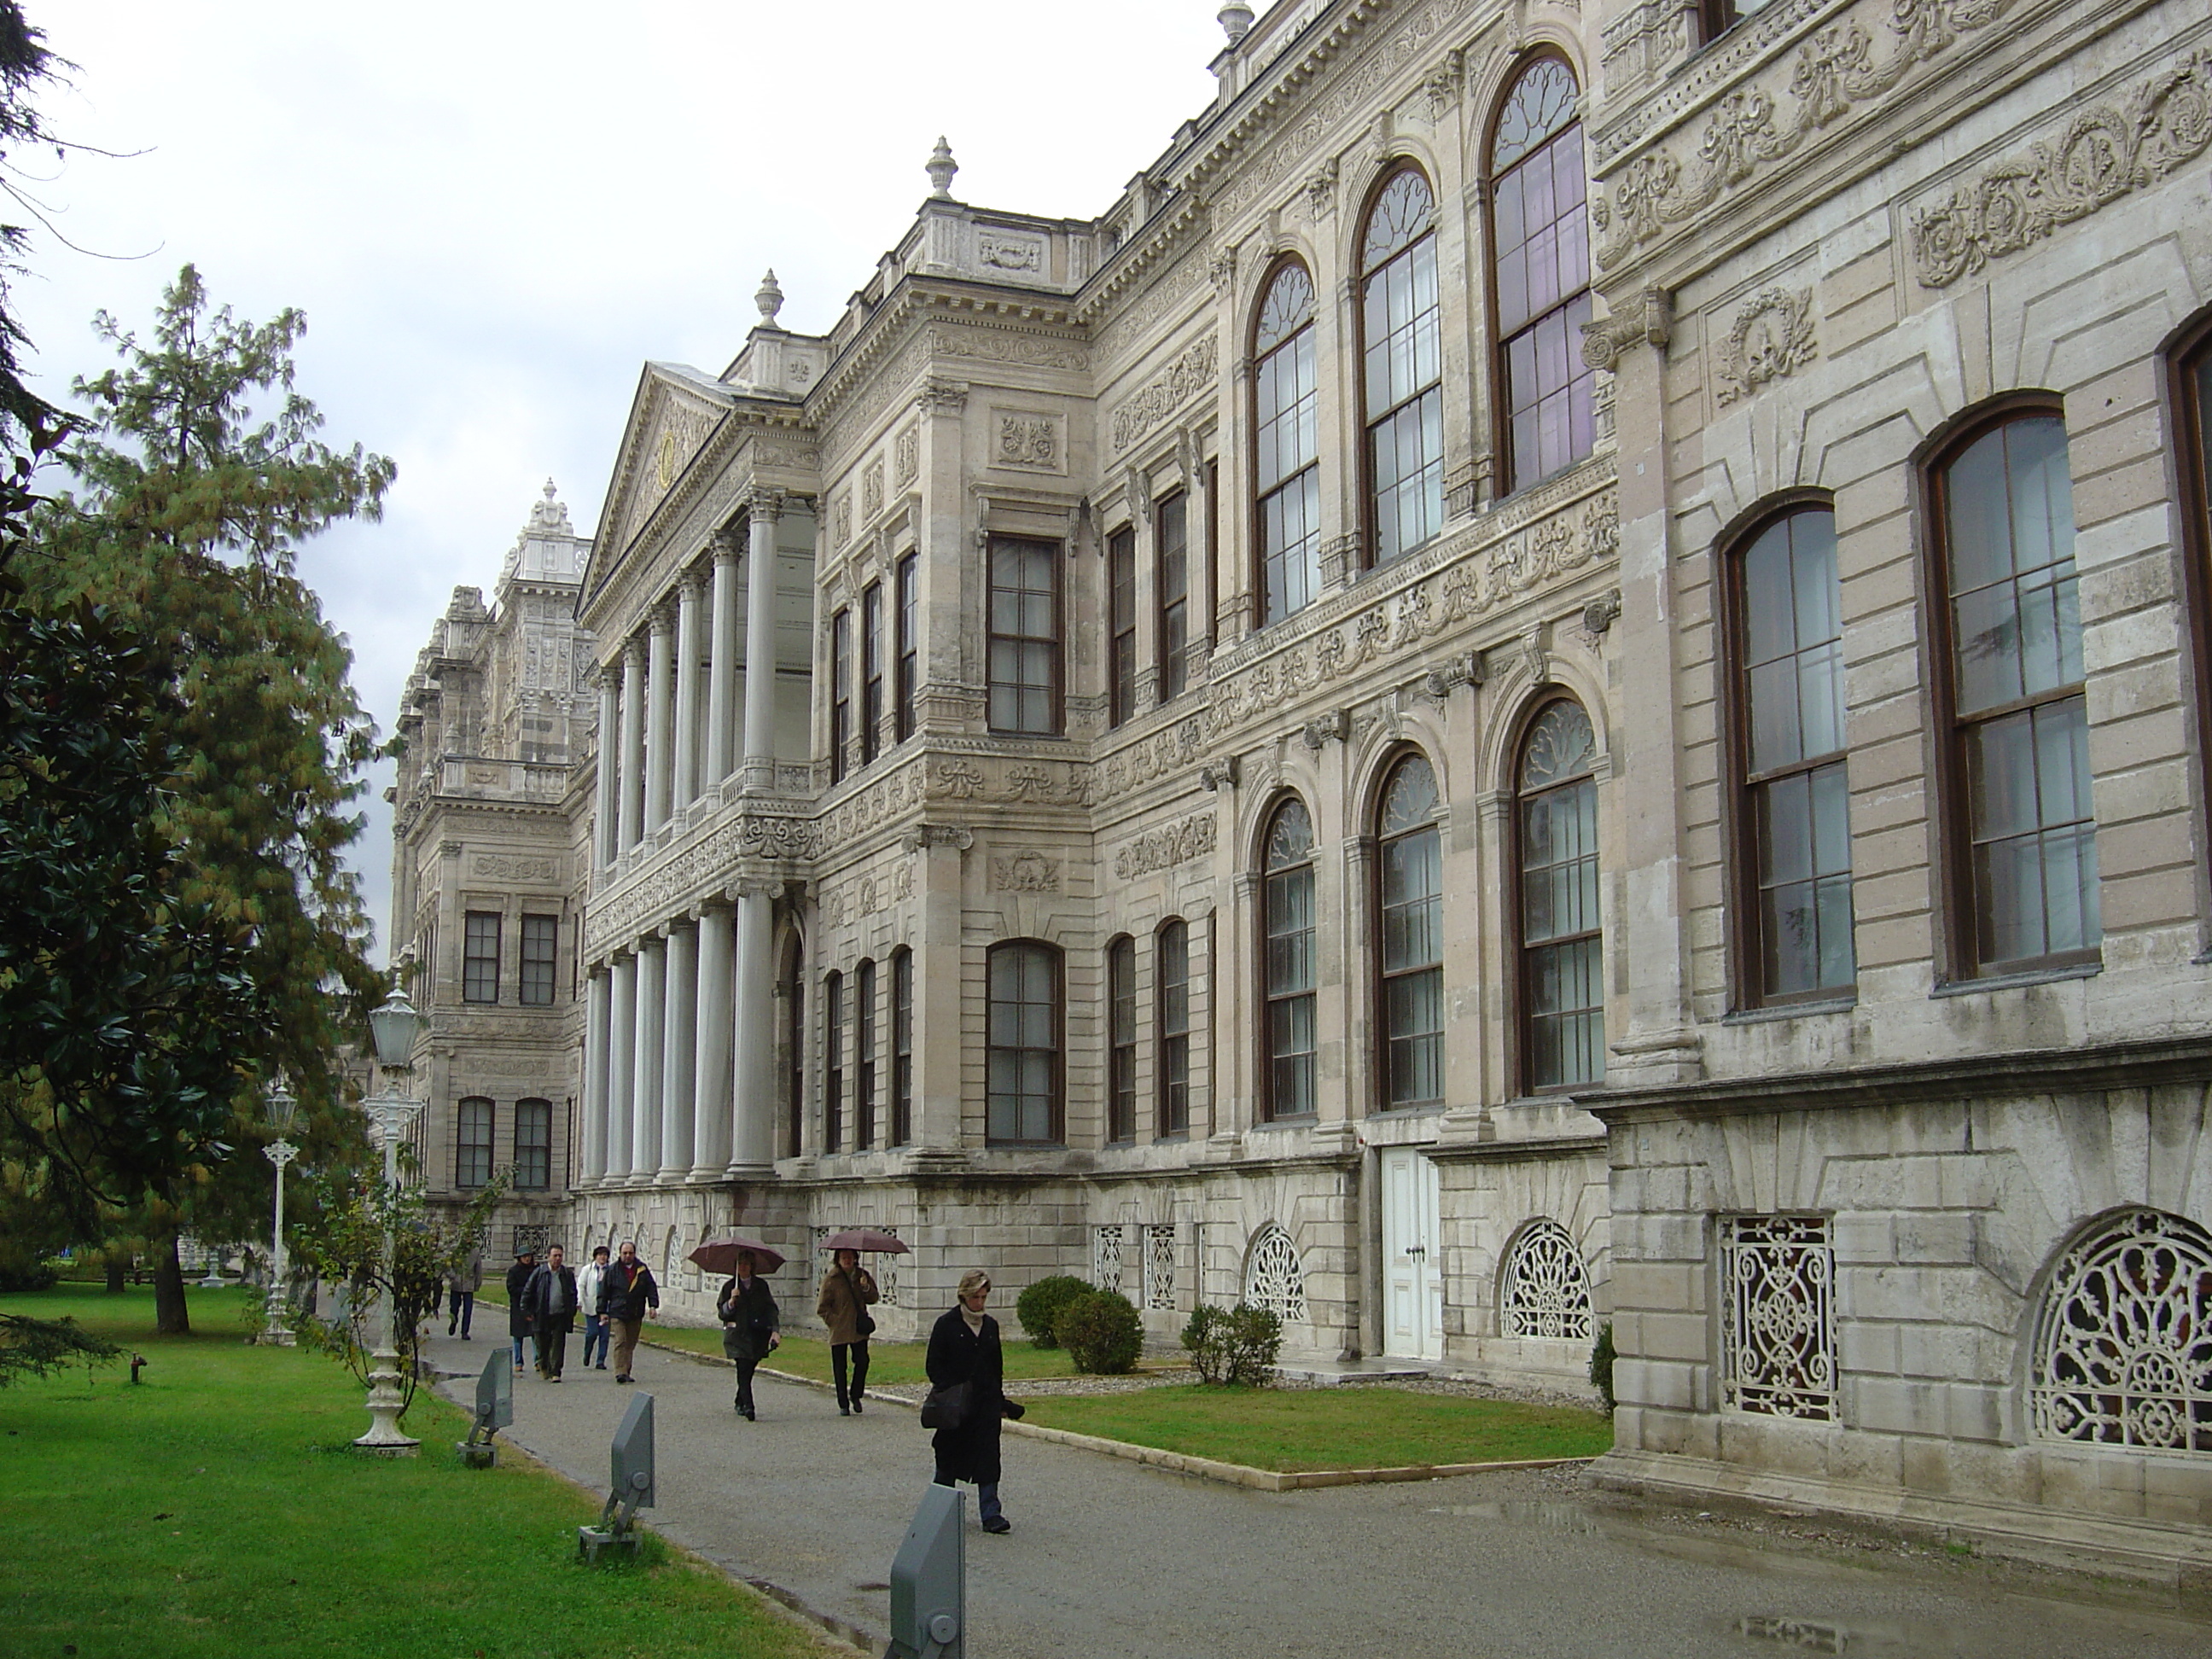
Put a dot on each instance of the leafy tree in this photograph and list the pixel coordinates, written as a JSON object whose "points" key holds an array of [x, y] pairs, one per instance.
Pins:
{"points": [[26, 65], [198, 474]]}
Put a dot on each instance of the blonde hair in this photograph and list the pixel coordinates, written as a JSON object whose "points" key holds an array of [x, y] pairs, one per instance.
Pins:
{"points": [[973, 1281]]}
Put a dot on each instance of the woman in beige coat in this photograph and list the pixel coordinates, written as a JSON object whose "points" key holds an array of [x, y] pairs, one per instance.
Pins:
{"points": [[847, 1291]]}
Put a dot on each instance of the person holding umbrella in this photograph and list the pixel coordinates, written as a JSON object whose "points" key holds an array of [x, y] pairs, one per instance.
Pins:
{"points": [[749, 1323], [847, 1291]]}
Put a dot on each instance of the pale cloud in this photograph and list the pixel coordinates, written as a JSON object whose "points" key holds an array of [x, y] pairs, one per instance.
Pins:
{"points": [[493, 215]]}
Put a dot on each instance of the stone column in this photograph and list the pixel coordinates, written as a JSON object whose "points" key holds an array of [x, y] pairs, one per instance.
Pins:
{"points": [[678, 1055], [622, 1063], [652, 1016], [714, 1029], [722, 678], [661, 716], [753, 1087], [760, 650], [631, 768], [604, 845], [689, 647], [597, 1017]]}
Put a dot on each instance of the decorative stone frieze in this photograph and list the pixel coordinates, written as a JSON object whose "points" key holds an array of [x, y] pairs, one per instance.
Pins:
{"points": [[499, 866], [1163, 849], [1026, 872], [1027, 441], [1190, 374], [1772, 338]]}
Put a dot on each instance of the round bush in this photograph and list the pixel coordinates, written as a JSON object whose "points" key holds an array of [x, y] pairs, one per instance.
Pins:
{"points": [[1038, 1307], [1102, 1331]]}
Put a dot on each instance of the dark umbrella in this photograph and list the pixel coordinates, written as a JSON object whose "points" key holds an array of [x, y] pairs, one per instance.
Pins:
{"points": [[865, 1238], [720, 1255]]}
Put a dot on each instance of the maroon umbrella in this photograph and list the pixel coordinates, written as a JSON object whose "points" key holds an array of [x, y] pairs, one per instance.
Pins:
{"points": [[865, 1238], [720, 1255]]}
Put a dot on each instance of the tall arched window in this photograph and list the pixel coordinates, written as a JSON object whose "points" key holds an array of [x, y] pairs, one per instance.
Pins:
{"points": [[2023, 829], [1402, 386], [864, 1054], [1171, 991], [1562, 951], [1793, 815], [473, 1144], [1025, 1042], [1411, 887], [1121, 1039], [1286, 461], [833, 1062], [1287, 962], [1539, 230]]}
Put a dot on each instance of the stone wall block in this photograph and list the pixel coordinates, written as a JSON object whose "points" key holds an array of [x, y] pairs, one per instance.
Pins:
{"points": [[1936, 1237]]}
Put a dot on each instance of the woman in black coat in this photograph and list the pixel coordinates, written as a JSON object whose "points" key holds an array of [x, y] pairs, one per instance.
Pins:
{"points": [[964, 1348], [750, 1327], [519, 1327]]}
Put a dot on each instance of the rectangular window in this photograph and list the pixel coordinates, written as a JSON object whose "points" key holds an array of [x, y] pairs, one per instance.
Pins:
{"points": [[872, 669], [833, 1062], [541, 949], [472, 1144], [1023, 1038], [909, 642], [1171, 581], [1025, 670], [533, 1145], [1777, 1281], [1121, 1039], [841, 692], [864, 1015], [901, 1046], [1122, 623], [1171, 977], [1212, 548], [480, 958]]}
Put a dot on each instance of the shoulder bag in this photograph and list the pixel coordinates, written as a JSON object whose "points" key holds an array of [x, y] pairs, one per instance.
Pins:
{"points": [[946, 1407]]}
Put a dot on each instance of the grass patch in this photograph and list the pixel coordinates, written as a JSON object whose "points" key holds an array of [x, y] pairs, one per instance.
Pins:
{"points": [[215, 1512], [1290, 1430], [890, 1364]]}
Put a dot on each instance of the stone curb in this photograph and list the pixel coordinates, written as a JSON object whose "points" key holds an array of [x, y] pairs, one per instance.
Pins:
{"points": [[1205, 1468]]}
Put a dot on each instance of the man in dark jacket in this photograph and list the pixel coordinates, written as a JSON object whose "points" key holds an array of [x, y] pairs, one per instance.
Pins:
{"points": [[964, 1354], [549, 1301], [625, 1294], [517, 1280]]}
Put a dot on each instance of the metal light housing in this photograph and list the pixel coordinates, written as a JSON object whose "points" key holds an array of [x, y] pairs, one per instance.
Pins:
{"points": [[283, 1107], [395, 1026]]}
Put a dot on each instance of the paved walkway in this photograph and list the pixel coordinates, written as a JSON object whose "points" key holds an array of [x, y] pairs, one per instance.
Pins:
{"points": [[1109, 1558]]}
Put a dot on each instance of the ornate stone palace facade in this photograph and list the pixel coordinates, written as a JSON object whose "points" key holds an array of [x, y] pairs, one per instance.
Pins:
{"points": [[1558, 676]]}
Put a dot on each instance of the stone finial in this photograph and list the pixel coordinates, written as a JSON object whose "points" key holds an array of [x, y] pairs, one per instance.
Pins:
{"points": [[1235, 21], [941, 168], [770, 298]]}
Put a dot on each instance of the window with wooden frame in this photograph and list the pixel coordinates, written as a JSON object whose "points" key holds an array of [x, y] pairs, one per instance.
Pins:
{"points": [[1539, 230], [541, 951], [1121, 625], [909, 644], [1402, 381], [1286, 458], [1024, 1043], [480, 957], [1171, 992], [2015, 771], [1286, 958], [2189, 360], [1171, 590], [472, 1144], [833, 1062], [872, 669], [1562, 947], [1792, 812], [901, 1046], [794, 1039], [1121, 1039], [864, 1056], [1025, 644], [841, 692], [1410, 950], [533, 1145]]}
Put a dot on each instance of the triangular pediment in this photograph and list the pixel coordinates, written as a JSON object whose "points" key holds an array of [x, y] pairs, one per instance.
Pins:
{"points": [[674, 411]]}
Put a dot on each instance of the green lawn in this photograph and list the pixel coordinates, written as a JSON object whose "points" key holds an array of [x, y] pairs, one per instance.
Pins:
{"points": [[889, 1362], [1287, 1430], [214, 1512]]}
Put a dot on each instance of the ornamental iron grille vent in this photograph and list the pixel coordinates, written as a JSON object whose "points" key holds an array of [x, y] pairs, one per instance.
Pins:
{"points": [[1159, 1267], [886, 1272], [1106, 1257], [1274, 1278], [1778, 1274], [1546, 1287], [533, 1236], [2124, 1344], [680, 1271]]}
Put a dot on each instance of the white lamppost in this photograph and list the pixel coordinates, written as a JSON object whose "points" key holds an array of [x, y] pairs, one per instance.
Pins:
{"points": [[280, 1152], [394, 1026]]}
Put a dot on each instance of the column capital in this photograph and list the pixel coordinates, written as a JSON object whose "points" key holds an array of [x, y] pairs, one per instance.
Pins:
{"points": [[634, 649], [765, 887], [766, 501], [661, 618], [691, 584], [727, 546]]}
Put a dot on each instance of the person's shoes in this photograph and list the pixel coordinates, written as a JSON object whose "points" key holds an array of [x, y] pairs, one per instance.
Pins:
{"points": [[750, 1418], [518, 1371], [856, 1402], [449, 1330], [602, 1365], [621, 1376], [465, 1335], [998, 1523], [556, 1377]]}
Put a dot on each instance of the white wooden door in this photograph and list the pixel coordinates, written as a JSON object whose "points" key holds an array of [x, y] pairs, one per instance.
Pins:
{"points": [[1413, 1257]]}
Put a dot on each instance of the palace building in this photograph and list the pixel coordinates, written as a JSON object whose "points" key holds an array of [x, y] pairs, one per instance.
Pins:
{"points": [[1557, 678]]}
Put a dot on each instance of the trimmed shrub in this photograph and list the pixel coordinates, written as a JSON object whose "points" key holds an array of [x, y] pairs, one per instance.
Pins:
{"points": [[1038, 1307], [1102, 1332], [1601, 1356], [1233, 1345]]}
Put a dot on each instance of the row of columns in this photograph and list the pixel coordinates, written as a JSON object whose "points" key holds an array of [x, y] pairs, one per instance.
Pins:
{"points": [[680, 1083], [659, 754]]}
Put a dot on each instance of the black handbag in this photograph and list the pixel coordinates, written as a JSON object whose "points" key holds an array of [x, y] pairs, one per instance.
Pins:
{"points": [[945, 1407]]}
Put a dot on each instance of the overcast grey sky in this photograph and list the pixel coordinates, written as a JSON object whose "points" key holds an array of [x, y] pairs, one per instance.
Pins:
{"points": [[494, 214]]}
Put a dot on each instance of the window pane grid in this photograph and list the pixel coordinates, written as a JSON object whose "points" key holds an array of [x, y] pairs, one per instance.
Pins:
{"points": [[480, 957], [1172, 580], [533, 1145], [473, 1140], [1287, 451], [1023, 1076], [1289, 968], [1539, 222], [872, 669], [1404, 367], [1024, 653], [1121, 1022], [840, 691], [1172, 970], [541, 938], [1562, 956], [909, 642], [902, 1047], [832, 1068], [864, 1053], [1121, 619]]}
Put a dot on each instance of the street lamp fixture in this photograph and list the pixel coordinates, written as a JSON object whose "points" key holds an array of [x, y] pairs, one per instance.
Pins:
{"points": [[392, 1110], [282, 1108]]}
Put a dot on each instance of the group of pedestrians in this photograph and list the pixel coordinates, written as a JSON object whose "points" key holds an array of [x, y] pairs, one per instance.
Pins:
{"points": [[545, 1299]]}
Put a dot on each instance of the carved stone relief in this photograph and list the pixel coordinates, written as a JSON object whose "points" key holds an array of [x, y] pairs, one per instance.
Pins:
{"points": [[1028, 440], [906, 457], [1774, 337], [500, 866], [1026, 872], [1163, 849], [998, 252], [1189, 373], [871, 490]]}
